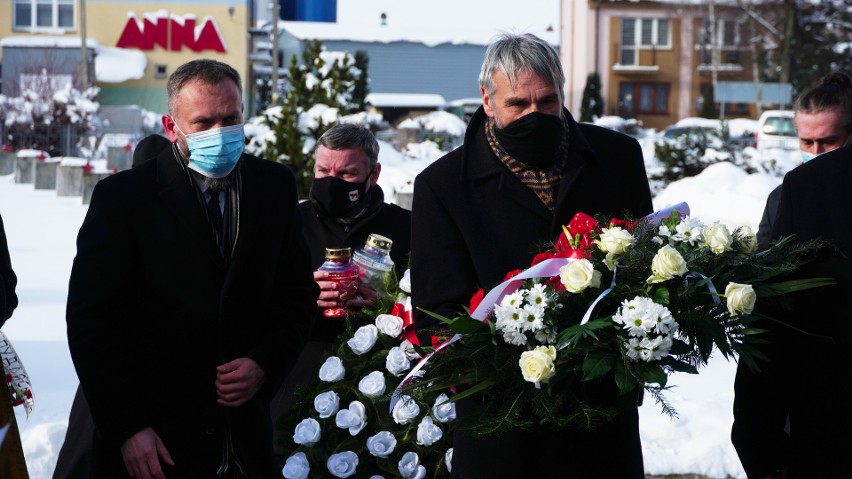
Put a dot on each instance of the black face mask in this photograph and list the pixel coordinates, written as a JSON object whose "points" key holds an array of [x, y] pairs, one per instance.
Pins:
{"points": [[532, 139], [338, 198]]}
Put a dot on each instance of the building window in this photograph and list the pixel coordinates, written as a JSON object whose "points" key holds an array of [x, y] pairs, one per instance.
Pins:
{"points": [[642, 34], [160, 70], [44, 14], [643, 98]]}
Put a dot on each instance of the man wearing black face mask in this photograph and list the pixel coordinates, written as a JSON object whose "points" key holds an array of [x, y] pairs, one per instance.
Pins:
{"points": [[526, 167], [346, 206]]}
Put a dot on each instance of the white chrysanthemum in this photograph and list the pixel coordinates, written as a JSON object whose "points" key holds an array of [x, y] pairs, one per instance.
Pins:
{"points": [[689, 230], [533, 317], [660, 347], [515, 338], [537, 296], [509, 318], [665, 322], [513, 300], [634, 317], [546, 336], [633, 348]]}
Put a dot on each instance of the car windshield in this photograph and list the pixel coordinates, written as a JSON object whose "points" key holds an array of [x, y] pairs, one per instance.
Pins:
{"points": [[779, 126]]}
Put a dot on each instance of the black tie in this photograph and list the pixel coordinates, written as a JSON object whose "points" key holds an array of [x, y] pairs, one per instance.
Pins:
{"points": [[214, 212]]}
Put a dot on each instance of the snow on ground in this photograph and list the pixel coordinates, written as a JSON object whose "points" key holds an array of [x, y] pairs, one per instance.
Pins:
{"points": [[41, 230]]}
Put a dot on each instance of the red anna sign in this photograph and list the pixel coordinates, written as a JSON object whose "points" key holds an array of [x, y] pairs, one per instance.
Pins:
{"points": [[173, 33]]}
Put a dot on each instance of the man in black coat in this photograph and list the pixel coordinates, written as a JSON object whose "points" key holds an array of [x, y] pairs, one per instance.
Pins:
{"points": [[346, 205], [805, 377], [8, 280], [526, 167], [75, 455], [190, 296]]}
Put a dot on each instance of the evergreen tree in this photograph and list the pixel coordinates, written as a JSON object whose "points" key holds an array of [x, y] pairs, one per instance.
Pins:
{"points": [[592, 105], [320, 87]]}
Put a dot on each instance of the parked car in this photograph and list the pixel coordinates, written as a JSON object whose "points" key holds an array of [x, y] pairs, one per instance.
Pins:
{"points": [[776, 129]]}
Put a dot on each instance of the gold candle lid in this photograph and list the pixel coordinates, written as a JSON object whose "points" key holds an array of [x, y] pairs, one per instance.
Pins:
{"points": [[379, 241], [338, 253]]}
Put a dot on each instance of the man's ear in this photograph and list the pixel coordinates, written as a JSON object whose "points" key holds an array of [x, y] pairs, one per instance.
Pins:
{"points": [[486, 102], [374, 176], [170, 126]]}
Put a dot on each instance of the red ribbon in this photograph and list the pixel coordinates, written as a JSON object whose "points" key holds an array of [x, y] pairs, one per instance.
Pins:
{"points": [[407, 323]]}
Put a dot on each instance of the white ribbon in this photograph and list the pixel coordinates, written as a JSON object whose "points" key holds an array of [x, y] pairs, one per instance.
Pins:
{"points": [[19, 381]]}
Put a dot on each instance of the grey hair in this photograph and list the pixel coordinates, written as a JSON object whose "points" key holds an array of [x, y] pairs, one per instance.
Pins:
{"points": [[205, 70], [344, 136], [512, 54]]}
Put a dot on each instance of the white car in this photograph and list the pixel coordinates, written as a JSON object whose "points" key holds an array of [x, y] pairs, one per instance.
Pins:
{"points": [[776, 129]]}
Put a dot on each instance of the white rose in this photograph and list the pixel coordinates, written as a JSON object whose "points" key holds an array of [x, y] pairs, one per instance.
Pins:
{"points": [[354, 418], [740, 298], [578, 275], [667, 264], [409, 466], [327, 404], [444, 410], [342, 464], [448, 459], [537, 365], [389, 324], [308, 432], [405, 410], [364, 339], [747, 239], [717, 237], [332, 370], [372, 385], [614, 240], [382, 444], [427, 432], [296, 467], [397, 361]]}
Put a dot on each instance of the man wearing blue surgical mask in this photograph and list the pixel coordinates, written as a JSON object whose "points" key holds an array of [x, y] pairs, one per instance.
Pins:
{"points": [[191, 296], [823, 123]]}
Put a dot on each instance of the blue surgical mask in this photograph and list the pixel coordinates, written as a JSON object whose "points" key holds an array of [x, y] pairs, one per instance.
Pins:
{"points": [[214, 153], [806, 157]]}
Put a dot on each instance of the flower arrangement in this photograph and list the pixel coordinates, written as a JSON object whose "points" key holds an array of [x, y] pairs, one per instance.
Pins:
{"points": [[347, 426], [615, 303]]}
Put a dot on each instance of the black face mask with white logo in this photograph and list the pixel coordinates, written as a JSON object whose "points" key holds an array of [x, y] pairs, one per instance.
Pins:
{"points": [[338, 198], [532, 139]]}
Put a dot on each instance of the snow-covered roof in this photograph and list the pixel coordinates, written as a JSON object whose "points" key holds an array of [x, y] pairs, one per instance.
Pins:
{"points": [[437, 121], [47, 41], [422, 100], [430, 36], [116, 65]]}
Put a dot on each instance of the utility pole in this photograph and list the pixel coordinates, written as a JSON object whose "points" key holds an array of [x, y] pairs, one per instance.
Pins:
{"points": [[83, 67], [274, 89]]}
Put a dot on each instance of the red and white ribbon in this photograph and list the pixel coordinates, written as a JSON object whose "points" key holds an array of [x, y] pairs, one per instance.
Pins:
{"points": [[16, 376]]}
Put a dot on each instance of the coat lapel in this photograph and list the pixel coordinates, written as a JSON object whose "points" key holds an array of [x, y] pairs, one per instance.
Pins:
{"points": [[180, 198]]}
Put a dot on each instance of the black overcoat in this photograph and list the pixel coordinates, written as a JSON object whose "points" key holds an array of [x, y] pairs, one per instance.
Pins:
{"points": [[472, 222], [152, 310], [806, 377]]}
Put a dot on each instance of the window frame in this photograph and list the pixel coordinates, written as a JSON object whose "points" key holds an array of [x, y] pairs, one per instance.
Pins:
{"points": [[639, 37], [33, 25], [636, 90]]}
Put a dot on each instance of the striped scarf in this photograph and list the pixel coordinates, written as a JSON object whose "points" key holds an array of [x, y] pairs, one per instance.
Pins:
{"points": [[544, 183]]}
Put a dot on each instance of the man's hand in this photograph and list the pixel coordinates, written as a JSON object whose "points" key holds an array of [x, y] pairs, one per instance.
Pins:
{"points": [[364, 299], [142, 453], [329, 295], [238, 381]]}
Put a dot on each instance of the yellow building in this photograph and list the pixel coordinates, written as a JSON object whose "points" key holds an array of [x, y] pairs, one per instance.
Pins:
{"points": [[118, 34]]}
